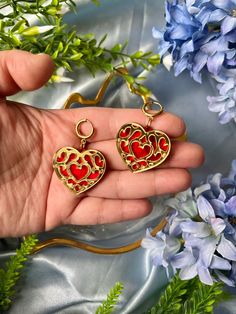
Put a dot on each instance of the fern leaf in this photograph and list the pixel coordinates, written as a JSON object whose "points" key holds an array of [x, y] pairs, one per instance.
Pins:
{"points": [[10, 276], [109, 304], [171, 299], [188, 297], [203, 299]]}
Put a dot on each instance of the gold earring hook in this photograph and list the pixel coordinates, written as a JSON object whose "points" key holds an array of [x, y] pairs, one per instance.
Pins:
{"points": [[83, 137], [78, 131]]}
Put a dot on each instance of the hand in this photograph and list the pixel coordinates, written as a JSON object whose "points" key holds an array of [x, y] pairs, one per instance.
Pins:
{"points": [[32, 197]]}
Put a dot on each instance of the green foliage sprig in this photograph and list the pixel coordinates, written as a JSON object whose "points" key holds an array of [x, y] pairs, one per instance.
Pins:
{"points": [[188, 297], [10, 276], [48, 33], [109, 304]]}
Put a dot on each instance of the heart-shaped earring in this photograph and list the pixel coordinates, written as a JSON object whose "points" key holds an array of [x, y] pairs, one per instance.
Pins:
{"points": [[143, 148], [79, 169]]}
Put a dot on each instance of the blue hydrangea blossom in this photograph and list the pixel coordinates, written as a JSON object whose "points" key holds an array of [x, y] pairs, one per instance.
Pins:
{"points": [[200, 236], [201, 34]]}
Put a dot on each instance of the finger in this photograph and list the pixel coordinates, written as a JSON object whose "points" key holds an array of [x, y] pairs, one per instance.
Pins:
{"points": [[21, 70], [92, 210], [108, 121], [126, 185], [183, 155]]}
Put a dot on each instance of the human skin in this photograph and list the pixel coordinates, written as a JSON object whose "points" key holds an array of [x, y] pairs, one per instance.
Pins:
{"points": [[32, 198]]}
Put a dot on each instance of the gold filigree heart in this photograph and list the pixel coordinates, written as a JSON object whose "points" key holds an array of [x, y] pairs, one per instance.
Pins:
{"points": [[79, 171], [140, 149]]}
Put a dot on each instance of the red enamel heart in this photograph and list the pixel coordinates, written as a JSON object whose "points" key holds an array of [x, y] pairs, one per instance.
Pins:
{"points": [[142, 150], [79, 171]]}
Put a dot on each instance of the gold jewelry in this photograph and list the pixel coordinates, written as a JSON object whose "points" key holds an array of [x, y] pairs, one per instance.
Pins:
{"points": [[79, 169], [77, 97], [143, 148]]}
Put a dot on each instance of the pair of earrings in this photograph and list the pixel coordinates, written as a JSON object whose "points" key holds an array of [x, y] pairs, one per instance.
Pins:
{"points": [[141, 148]]}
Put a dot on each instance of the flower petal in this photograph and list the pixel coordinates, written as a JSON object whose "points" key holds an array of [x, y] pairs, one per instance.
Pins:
{"points": [[201, 189], [204, 275], [219, 263], [217, 15], [167, 61], [218, 225], [215, 105], [180, 65], [228, 24], [229, 282], [227, 249], [207, 250], [215, 62], [183, 259], [229, 84], [214, 45], [225, 117], [204, 207], [187, 47], [231, 206], [180, 32], [172, 246], [199, 229], [219, 207], [199, 61], [156, 33], [188, 272], [223, 4]]}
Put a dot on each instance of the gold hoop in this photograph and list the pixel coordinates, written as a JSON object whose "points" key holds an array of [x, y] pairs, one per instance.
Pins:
{"points": [[78, 131], [147, 106]]}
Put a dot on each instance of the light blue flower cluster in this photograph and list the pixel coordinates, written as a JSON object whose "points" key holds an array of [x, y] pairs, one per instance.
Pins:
{"points": [[201, 34], [200, 236]]}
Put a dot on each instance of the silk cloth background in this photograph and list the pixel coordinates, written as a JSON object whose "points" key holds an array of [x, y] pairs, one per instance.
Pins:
{"points": [[67, 280]]}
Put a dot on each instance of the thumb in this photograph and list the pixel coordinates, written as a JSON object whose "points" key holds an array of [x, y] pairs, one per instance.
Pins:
{"points": [[21, 70]]}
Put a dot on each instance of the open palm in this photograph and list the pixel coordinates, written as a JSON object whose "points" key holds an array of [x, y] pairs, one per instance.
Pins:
{"points": [[32, 197]]}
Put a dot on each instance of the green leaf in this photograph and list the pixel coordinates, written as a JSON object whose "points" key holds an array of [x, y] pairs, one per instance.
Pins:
{"points": [[11, 274], [55, 3], [102, 40], [77, 42], [76, 56], [52, 11], [55, 54], [2, 25], [129, 79], [137, 55], [60, 46], [117, 48], [109, 304], [19, 26]]}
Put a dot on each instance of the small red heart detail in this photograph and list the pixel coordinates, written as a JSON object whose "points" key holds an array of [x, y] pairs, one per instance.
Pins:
{"points": [[140, 150]]}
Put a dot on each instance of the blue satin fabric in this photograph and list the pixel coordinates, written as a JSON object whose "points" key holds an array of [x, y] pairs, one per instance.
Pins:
{"points": [[66, 280]]}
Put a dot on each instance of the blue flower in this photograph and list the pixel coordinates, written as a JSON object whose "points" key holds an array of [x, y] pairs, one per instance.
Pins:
{"points": [[210, 226], [223, 11], [162, 248], [220, 192], [183, 207], [194, 39], [198, 258], [200, 236], [230, 279], [225, 103]]}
